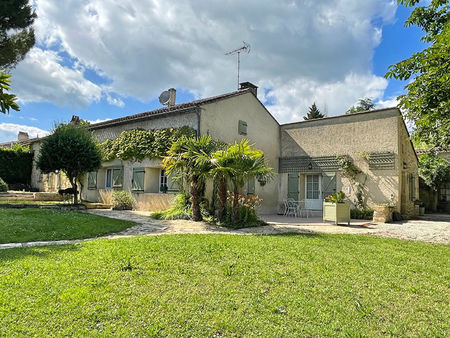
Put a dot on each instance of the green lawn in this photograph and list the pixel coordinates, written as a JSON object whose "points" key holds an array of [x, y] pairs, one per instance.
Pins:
{"points": [[26, 225], [227, 285]]}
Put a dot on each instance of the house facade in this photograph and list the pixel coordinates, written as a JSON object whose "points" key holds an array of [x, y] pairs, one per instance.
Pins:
{"points": [[304, 155]]}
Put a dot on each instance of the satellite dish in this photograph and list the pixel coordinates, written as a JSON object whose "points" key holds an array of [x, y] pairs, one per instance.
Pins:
{"points": [[164, 97]]}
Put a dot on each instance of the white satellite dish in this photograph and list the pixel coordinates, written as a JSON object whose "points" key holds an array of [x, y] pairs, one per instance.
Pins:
{"points": [[164, 97]]}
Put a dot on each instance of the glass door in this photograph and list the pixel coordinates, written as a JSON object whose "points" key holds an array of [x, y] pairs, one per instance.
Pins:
{"points": [[313, 194]]}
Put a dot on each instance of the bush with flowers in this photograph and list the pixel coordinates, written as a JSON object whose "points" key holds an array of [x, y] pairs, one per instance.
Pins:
{"points": [[247, 213], [338, 197]]}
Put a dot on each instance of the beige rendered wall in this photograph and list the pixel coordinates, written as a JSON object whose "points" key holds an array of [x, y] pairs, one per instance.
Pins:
{"points": [[149, 199], [408, 164], [220, 120], [350, 135]]}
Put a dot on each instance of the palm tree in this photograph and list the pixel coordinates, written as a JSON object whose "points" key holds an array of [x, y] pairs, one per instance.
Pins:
{"points": [[189, 157], [238, 163]]}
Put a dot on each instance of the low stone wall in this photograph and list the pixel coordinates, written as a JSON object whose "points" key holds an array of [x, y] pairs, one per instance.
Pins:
{"points": [[153, 202]]}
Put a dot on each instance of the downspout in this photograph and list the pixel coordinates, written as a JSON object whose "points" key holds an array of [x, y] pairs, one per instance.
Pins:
{"points": [[197, 112]]}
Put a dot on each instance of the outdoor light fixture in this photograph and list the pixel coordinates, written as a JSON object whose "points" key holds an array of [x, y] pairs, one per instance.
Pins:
{"points": [[404, 165], [310, 166]]}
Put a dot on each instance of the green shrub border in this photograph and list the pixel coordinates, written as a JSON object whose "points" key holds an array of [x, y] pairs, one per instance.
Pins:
{"points": [[16, 165]]}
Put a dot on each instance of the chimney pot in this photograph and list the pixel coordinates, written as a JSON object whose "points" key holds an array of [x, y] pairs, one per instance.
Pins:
{"points": [[173, 96], [22, 136], [249, 85]]}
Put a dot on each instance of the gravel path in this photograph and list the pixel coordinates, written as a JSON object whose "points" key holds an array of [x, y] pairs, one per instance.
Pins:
{"points": [[432, 228]]}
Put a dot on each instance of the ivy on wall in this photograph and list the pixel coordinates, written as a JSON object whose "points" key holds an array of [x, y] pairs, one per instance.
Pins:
{"points": [[16, 164], [138, 144]]}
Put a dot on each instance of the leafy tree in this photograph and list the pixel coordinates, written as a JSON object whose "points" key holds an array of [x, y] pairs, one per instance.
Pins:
{"points": [[363, 105], [16, 33], [189, 158], [314, 113], [433, 169], [427, 101], [7, 101], [240, 162], [72, 150]]}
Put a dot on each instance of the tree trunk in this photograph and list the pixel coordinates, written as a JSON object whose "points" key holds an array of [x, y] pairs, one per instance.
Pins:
{"points": [[235, 215], [75, 191], [222, 194], [195, 199]]}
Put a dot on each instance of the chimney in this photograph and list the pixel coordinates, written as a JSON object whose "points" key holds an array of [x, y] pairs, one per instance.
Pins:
{"points": [[75, 119], [249, 85], [173, 95], [22, 136]]}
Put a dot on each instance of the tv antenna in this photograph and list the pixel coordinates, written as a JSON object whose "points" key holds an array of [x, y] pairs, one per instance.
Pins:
{"points": [[244, 48]]}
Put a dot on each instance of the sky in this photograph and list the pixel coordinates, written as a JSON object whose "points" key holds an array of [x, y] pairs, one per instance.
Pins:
{"points": [[103, 59]]}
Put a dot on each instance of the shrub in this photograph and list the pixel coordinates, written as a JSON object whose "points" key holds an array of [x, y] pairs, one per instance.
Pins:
{"points": [[180, 209], [122, 200], [365, 213], [247, 214], [3, 185]]}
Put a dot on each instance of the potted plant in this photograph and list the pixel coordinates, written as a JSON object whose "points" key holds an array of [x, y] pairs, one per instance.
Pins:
{"points": [[383, 212], [336, 208], [421, 206]]}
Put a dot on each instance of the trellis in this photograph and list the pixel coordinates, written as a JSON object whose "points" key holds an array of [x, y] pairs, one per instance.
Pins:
{"points": [[298, 164], [381, 161]]}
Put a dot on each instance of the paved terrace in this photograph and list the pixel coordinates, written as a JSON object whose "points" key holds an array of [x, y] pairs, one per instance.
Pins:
{"points": [[431, 228]]}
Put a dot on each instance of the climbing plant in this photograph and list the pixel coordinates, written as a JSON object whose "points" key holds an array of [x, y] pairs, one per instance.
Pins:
{"points": [[138, 144], [347, 167]]}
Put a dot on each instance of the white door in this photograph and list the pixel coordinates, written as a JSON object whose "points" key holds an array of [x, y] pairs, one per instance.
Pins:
{"points": [[313, 189]]}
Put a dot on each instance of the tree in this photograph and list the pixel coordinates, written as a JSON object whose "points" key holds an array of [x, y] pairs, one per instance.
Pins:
{"points": [[7, 101], [363, 105], [427, 101], [433, 169], [72, 150], [189, 157], [314, 113], [240, 162], [16, 35]]}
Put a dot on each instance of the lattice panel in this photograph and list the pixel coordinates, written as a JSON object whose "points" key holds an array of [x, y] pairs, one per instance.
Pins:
{"points": [[381, 161], [308, 164]]}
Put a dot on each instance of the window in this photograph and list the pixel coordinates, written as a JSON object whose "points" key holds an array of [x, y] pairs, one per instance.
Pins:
{"points": [[242, 127], [137, 182], [92, 180], [312, 187], [412, 187], [114, 178], [166, 183]]}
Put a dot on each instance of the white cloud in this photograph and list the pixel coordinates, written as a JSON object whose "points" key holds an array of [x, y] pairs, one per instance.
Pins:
{"points": [[300, 50], [98, 120], [388, 103], [114, 101], [9, 131]]}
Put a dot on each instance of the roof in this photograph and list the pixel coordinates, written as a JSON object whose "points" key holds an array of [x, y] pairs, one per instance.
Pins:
{"points": [[9, 144], [426, 150], [177, 108], [344, 116]]}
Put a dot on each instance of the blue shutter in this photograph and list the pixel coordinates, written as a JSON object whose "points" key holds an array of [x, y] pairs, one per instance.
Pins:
{"points": [[293, 186]]}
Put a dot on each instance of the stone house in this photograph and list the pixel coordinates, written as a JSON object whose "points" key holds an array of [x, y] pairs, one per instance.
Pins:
{"points": [[304, 154]]}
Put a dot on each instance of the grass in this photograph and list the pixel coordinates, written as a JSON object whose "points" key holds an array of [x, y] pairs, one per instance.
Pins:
{"points": [[227, 285], [30, 202], [27, 225]]}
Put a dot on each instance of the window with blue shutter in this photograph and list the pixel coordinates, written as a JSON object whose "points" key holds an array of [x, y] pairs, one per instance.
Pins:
{"points": [[242, 127], [137, 182], [92, 180], [117, 177]]}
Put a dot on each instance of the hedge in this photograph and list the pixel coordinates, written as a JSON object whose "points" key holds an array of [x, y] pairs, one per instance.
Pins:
{"points": [[16, 165]]}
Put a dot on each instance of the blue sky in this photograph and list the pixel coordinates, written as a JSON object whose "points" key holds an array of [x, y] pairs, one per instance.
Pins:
{"points": [[113, 60]]}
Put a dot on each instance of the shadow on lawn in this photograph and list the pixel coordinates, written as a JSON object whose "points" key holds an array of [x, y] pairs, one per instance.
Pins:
{"points": [[36, 251]]}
